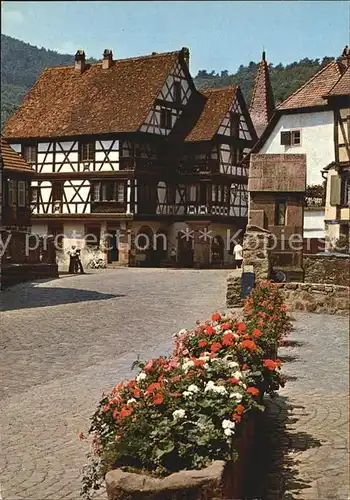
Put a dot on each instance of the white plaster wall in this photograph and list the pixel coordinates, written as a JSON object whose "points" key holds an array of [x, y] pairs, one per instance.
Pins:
{"points": [[316, 141], [314, 224]]}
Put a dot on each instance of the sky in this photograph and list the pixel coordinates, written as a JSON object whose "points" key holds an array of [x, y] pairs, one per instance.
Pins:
{"points": [[220, 34]]}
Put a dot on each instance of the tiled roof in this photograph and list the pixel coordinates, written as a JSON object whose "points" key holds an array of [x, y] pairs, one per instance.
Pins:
{"points": [[342, 87], [312, 92], [12, 160], [64, 103], [262, 104], [218, 103]]}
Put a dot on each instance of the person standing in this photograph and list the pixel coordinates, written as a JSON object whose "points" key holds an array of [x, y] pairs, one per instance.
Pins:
{"points": [[173, 256], [78, 263], [238, 253], [72, 259]]}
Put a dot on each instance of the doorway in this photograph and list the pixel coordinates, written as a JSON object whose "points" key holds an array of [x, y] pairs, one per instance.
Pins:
{"points": [[113, 251]]}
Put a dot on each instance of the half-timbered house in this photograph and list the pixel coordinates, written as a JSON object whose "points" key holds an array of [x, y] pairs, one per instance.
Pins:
{"points": [[128, 154], [304, 124], [337, 216]]}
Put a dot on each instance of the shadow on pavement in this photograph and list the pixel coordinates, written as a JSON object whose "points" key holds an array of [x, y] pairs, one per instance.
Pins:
{"points": [[31, 296], [274, 469]]}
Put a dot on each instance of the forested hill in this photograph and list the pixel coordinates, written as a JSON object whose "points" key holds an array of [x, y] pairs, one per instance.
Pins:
{"points": [[22, 63]]}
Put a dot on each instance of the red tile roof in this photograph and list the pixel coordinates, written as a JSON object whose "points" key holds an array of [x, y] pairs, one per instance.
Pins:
{"points": [[262, 104], [12, 160], [218, 103], [64, 103], [342, 87], [312, 92]]}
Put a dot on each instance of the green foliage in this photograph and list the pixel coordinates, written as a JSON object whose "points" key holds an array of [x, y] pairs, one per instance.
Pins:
{"points": [[22, 64]]}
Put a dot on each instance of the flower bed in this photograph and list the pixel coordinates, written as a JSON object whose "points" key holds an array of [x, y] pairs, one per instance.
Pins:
{"points": [[188, 410]]}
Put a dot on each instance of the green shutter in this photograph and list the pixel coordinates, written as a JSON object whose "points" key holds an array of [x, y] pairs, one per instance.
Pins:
{"points": [[335, 190]]}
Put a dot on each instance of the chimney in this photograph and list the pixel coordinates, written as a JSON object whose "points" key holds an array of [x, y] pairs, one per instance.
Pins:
{"points": [[107, 59], [186, 55], [79, 64]]}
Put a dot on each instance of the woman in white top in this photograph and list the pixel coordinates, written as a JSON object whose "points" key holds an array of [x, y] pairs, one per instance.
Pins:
{"points": [[238, 253]]}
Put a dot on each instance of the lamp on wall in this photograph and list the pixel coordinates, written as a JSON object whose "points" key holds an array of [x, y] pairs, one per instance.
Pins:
{"points": [[86, 165]]}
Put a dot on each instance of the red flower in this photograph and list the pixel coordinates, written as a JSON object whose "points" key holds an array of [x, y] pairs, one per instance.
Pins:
{"points": [[152, 388], [123, 413], [149, 365], [216, 347], [131, 383], [227, 339], [253, 391], [202, 343], [284, 308], [236, 418], [175, 379], [248, 344], [240, 409], [210, 330], [241, 327], [158, 399], [136, 392], [216, 317], [270, 364], [256, 333], [225, 326], [199, 362], [245, 367], [233, 380]]}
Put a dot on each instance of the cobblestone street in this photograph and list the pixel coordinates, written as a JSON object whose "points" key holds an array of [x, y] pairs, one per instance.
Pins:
{"points": [[65, 341]]}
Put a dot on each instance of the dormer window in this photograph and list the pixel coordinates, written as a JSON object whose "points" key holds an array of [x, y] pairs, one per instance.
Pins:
{"points": [[177, 93], [165, 118], [29, 153], [86, 151]]}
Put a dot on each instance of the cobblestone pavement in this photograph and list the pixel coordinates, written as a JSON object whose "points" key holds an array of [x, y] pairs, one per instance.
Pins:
{"points": [[63, 342], [309, 421]]}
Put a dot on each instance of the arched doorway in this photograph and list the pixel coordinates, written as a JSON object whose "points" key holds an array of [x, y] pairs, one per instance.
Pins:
{"points": [[217, 251], [144, 246]]}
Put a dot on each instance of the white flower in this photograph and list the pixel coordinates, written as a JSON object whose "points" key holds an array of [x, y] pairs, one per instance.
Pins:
{"points": [[193, 388], [179, 414], [205, 357], [232, 364], [131, 401], [141, 376], [187, 365], [228, 432], [210, 386], [237, 396], [187, 394], [228, 424], [237, 374]]}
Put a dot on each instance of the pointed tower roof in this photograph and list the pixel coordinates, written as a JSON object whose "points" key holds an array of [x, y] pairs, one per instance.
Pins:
{"points": [[262, 104]]}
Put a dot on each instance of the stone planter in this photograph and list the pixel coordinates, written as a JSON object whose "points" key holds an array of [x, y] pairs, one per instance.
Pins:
{"points": [[219, 481]]}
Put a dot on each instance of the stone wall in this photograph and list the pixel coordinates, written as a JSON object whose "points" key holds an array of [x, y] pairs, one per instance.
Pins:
{"points": [[233, 290], [316, 297], [324, 269], [256, 253]]}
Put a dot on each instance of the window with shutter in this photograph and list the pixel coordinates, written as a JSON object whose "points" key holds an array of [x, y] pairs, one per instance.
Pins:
{"points": [[335, 190], [177, 93], [165, 118], [286, 138], [21, 193], [234, 124], [34, 194], [29, 153], [120, 192], [86, 151]]}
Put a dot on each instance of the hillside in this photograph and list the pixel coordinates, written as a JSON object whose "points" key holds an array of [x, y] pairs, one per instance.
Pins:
{"points": [[22, 63]]}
